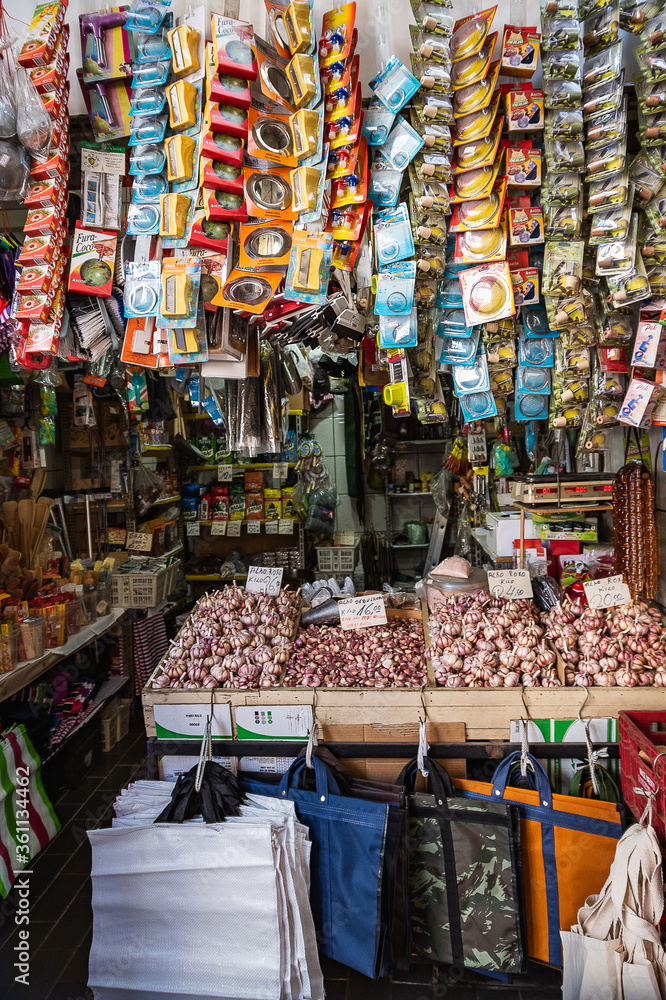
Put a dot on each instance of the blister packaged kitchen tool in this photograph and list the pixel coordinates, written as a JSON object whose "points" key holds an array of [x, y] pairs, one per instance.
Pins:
{"points": [[265, 246], [563, 222], [394, 85], [472, 378], [337, 38], [457, 350], [603, 98], [180, 150], [434, 17], [605, 65], [143, 219], [398, 331], [147, 129], [535, 352], [563, 156], [148, 101], [602, 28], [430, 261], [632, 286], [559, 8], [470, 34], [482, 214], [562, 94], [481, 245], [535, 323], [487, 293], [393, 235], [475, 126], [501, 381], [148, 159], [476, 96], [308, 187], [384, 188], [569, 416], [533, 380], [635, 13], [146, 15], [450, 294], [530, 406], [152, 47], [611, 225], [184, 100], [560, 33], [141, 293], [563, 267], [174, 213], [377, 124], [652, 128], [309, 267], [184, 43], [651, 64], [102, 172], [268, 191], [564, 124], [477, 153], [395, 289], [150, 74], [428, 193], [226, 148], [478, 405], [181, 277], [610, 193], [226, 118], [563, 66], [436, 135], [433, 166], [616, 330], [234, 46], [430, 45], [402, 145], [607, 127], [428, 225]]}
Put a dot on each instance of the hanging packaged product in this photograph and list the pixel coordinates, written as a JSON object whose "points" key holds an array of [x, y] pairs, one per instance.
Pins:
{"points": [[383, 191], [146, 16], [221, 176], [250, 290], [222, 206], [308, 188], [180, 154], [309, 267], [394, 85], [184, 43], [93, 260], [481, 245], [477, 153], [227, 119], [602, 28], [141, 292], [393, 235], [395, 289], [401, 146], [225, 148], [150, 75], [524, 109], [473, 185], [181, 277], [399, 331], [396, 393], [102, 172], [268, 191], [430, 45], [270, 137], [475, 126], [337, 38], [482, 214], [520, 50], [523, 166], [174, 212], [525, 224], [487, 293], [265, 246], [184, 99], [234, 46]]}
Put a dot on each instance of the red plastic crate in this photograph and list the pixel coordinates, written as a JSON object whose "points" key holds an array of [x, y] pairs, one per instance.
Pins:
{"points": [[643, 764]]}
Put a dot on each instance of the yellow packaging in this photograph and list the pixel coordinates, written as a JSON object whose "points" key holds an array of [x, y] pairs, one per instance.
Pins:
{"points": [[272, 505], [184, 42], [182, 100], [288, 505]]}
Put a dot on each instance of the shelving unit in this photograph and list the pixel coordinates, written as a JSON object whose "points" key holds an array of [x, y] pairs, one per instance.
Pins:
{"points": [[578, 506]]}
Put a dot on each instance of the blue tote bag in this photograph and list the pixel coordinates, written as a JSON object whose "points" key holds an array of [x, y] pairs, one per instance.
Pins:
{"points": [[348, 842]]}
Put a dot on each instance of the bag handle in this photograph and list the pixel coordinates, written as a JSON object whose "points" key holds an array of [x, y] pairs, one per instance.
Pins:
{"points": [[325, 782], [501, 777], [440, 779]]}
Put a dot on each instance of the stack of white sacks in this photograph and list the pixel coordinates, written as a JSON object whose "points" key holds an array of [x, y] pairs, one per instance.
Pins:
{"points": [[206, 910]]}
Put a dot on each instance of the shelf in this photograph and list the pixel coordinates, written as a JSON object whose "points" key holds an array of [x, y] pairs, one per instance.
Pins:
{"points": [[151, 449], [419, 442], [215, 578], [163, 500], [241, 468], [109, 689], [29, 670], [399, 547], [565, 507], [408, 496], [173, 552], [197, 416]]}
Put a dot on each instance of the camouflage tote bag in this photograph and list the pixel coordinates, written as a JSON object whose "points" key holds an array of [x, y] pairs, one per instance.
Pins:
{"points": [[465, 885]]}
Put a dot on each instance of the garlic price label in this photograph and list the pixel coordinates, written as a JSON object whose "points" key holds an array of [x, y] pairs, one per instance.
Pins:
{"points": [[225, 472], [264, 580], [139, 541], [362, 612], [510, 583], [608, 593]]}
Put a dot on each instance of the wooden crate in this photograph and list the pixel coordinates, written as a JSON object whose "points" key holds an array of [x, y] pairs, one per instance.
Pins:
{"points": [[392, 714]]}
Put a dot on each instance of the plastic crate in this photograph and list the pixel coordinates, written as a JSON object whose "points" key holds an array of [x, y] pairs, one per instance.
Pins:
{"points": [[143, 590], [121, 592], [643, 765], [336, 558]]}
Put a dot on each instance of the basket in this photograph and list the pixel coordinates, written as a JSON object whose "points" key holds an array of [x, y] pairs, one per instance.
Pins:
{"points": [[643, 765], [336, 558], [142, 590]]}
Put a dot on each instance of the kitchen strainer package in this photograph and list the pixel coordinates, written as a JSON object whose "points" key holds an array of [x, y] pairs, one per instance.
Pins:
{"points": [[478, 405], [459, 350], [536, 352], [472, 378], [487, 293]]}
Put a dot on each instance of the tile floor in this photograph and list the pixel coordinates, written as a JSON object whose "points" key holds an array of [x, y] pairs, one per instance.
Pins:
{"points": [[61, 918]]}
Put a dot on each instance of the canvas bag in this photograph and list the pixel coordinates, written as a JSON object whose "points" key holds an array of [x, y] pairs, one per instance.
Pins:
{"points": [[348, 846], [567, 843], [465, 878], [20, 763]]}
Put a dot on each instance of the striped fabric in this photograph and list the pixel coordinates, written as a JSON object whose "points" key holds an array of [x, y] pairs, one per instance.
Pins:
{"points": [[150, 644]]}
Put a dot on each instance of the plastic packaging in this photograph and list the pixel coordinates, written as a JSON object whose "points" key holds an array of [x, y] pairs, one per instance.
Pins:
{"points": [[33, 124]]}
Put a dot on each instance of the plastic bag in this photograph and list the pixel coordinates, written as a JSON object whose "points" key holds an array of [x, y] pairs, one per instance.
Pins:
{"points": [[7, 106], [33, 124], [440, 486], [14, 172], [147, 488], [321, 511]]}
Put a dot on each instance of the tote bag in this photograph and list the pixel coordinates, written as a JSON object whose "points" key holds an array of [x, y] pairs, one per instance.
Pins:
{"points": [[465, 886], [23, 831], [348, 844], [568, 845]]}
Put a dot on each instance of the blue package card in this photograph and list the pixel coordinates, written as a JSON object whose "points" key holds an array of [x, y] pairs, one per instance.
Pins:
{"points": [[147, 16], [384, 189], [148, 159], [394, 85], [535, 322], [395, 289], [473, 377], [377, 124], [478, 406], [449, 292], [393, 235], [535, 380], [530, 406], [399, 331], [460, 350], [536, 352], [402, 145], [147, 128], [452, 323]]}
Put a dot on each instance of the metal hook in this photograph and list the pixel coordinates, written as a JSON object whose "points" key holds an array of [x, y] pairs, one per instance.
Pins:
{"points": [[522, 695], [587, 695], [423, 704], [312, 735]]}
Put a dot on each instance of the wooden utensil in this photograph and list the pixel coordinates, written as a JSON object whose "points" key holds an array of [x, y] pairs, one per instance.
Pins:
{"points": [[42, 511], [26, 514], [10, 517], [38, 482]]}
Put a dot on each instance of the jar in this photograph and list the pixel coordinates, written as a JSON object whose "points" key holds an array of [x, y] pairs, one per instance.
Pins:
{"points": [[31, 637], [8, 648], [90, 603]]}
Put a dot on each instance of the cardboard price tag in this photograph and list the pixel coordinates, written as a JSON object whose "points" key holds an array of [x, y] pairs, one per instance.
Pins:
{"points": [[286, 526], [193, 528], [343, 538], [254, 527], [117, 536], [218, 528], [234, 529], [362, 612], [271, 527], [225, 472], [608, 593], [510, 583], [139, 541], [264, 580], [280, 470]]}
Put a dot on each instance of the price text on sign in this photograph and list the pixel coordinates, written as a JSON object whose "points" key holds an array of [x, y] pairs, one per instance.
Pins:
{"points": [[362, 612], [225, 472], [510, 583], [606, 593], [254, 527], [286, 526], [218, 528], [193, 528], [280, 470], [264, 580], [271, 527], [234, 529], [139, 541]]}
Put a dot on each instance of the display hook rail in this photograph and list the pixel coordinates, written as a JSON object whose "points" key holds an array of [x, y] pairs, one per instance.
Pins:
{"points": [[492, 750]]}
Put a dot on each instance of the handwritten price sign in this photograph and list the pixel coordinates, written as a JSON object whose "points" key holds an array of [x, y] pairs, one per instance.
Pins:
{"points": [[607, 593], [139, 541], [362, 612], [510, 583], [264, 580]]}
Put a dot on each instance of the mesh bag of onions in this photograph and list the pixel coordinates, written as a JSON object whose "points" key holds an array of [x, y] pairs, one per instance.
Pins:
{"points": [[391, 655], [484, 641], [623, 646], [232, 639]]}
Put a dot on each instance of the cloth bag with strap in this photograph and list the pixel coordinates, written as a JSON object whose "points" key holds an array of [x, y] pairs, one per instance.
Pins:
{"points": [[567, 844], [465, 878], [348, 846]]}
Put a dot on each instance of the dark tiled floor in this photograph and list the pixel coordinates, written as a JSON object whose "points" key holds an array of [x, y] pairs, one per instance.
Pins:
{"points": [[61, 917]]}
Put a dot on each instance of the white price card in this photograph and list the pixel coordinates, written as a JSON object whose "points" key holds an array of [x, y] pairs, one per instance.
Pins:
{"points": [[362, 612], [510, 583], [193, 528], [139, 541], [286, 526], [343, 538], [271, 527], [218, 528], [280, 470], [254, 527], [234, 529], [607, 593], [264, 580], [225, 472]]}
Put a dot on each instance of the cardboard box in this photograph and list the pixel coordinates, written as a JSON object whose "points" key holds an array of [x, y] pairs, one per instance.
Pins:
{"points": [[503, 528], [188, 722], [273, 722]]}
